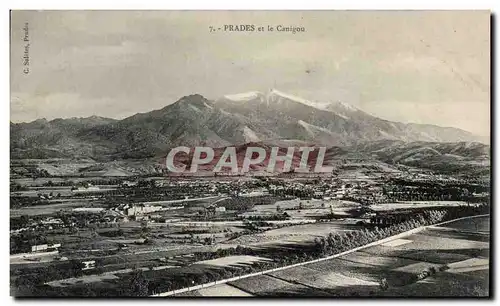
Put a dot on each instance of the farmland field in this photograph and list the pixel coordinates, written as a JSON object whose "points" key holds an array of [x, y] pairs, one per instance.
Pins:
{"points": [[362, 271], [48, 209], [296, 233], [418, 267], [421, 241], [471, 224], [331, 282], [375, 260], [446, 232], [469, 265], [443, 285], [415, 204], [44, 180], [264, 285], [95, 278], [222, 290], [42, 258], [309, 207], [396, 242], [233, 261], [313, 230], [189, 294]]}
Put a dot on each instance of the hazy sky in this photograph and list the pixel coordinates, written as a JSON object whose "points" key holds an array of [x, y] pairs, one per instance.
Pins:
{"points": [[423, 67]]}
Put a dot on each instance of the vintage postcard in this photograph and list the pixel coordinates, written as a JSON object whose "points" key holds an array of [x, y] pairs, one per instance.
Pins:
{"points": [[250, 154]]}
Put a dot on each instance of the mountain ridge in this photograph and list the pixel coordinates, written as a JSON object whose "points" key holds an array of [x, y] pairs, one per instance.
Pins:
{"points": [[232, 119]]}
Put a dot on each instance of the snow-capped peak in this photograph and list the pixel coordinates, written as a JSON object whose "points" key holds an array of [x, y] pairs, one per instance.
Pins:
{"points": [[244, 96], [287, 96], [273, 96], [327, 106], [318, 105], [346, 106]]}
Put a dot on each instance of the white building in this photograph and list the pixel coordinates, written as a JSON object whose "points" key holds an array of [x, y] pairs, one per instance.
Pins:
{"points": [[220, 209], [88, 265]]}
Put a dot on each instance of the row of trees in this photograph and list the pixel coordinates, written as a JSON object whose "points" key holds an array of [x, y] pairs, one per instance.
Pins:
{"points": [[342, 241], [294, 192], [273, 217], [240, 203], [420, 191], [86, 183]]}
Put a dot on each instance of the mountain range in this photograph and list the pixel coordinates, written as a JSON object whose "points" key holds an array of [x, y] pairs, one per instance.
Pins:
{"points": [[272, 117], [459, 157]]}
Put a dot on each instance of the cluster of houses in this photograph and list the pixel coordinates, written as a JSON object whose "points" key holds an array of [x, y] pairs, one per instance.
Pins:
{"points": [[337, 190]]}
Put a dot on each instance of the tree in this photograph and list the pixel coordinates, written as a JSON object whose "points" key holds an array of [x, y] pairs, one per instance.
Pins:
{"points": [[76, 265], [475, 224], [208, 240], [384, 285], [139, 284]]}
